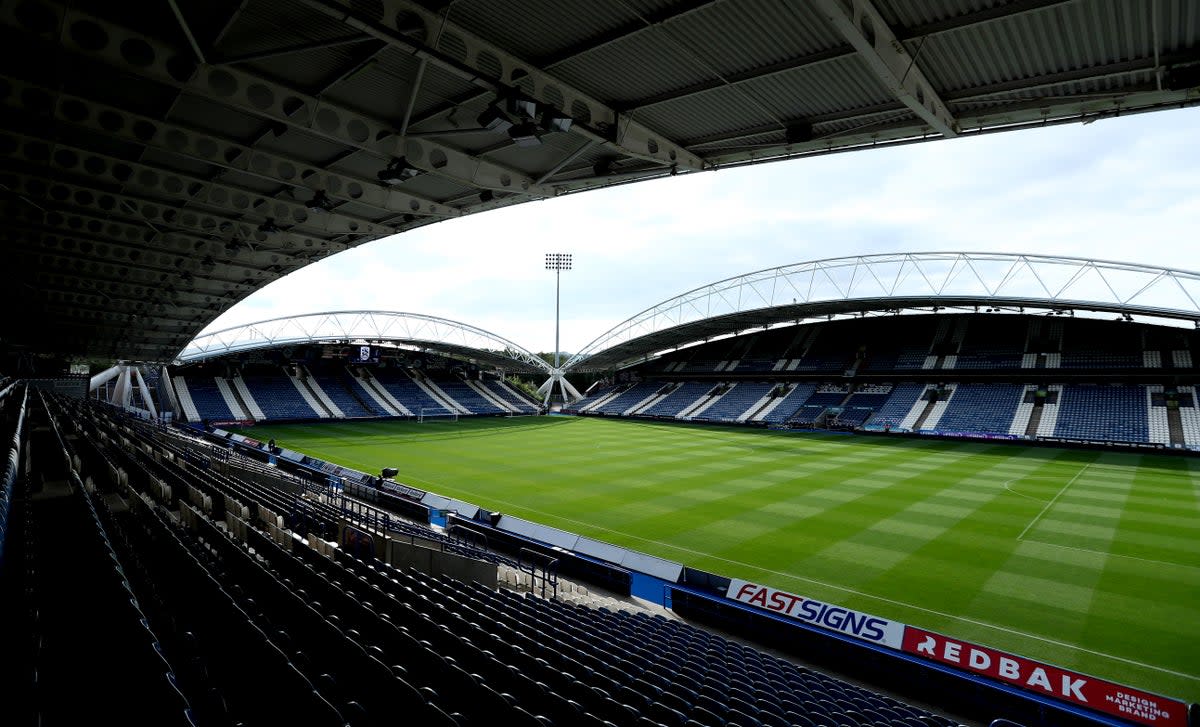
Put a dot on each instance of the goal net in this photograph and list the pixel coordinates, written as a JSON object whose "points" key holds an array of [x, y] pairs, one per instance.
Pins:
{"points": [[435, 414]]}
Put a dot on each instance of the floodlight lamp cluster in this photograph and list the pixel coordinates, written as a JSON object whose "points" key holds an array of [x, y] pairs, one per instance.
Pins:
{"points": [[558, 261], [397, 171], [523, 119], [320, 203]]}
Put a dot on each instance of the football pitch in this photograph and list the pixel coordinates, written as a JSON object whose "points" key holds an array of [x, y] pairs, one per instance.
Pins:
{"points": [[1084, 559]]}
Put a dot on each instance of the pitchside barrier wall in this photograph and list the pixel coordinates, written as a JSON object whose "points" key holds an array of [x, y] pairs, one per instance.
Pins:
{"points": [[972, 679]]}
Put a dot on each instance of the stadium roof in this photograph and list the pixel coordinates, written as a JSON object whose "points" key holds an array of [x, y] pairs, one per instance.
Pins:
{"points": [[161, 159], [365, 326], [890, 283]]}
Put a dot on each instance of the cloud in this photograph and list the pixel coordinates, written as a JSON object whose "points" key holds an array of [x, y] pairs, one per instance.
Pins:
{"points": [[1120, 189]]}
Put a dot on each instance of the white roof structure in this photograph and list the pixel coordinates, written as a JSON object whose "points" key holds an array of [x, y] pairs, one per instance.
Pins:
{"points": [[890, 283], [367, 326]]}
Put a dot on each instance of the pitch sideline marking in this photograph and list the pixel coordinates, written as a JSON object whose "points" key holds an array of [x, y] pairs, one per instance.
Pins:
{"points": [[1116, 555], [1054, 500], [845, 589]]}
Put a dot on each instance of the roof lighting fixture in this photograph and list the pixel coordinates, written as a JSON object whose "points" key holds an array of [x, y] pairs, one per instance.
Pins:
{"points": [[525, 134], [554, 121], [397, 171], [493, 119], [320, 203], [269, 226], [522, 106]]}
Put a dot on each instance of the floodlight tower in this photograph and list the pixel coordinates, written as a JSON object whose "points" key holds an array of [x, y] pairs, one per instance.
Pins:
{"points": [[558, 262]]}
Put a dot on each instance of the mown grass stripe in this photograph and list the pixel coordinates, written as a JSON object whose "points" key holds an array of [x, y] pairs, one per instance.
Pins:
{"points": [[920, 530]]}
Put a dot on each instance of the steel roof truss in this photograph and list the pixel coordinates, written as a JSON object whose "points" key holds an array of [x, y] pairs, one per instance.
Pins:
{"points": [[862, 25]]}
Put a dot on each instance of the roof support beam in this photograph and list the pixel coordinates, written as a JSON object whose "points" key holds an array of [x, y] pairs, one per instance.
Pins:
{"points": [[630, 30], [267, 99], [183, 188], [187, 31], [26, 242], [224, 153], [988, 15], [876, 43], [734, 79], [288, 50], [978, 93], [359, 60], [1003, 12], [607, 126]]}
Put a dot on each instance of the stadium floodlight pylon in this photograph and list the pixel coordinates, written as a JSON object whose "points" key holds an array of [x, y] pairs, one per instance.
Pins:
{"points": [[558, 262], [127, 377]]}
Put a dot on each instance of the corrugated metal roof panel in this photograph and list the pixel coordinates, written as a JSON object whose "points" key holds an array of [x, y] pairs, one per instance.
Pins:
{"points": [[737, 37], [1088, 91], [907, 14], [723, 111], [264, 26], [309, 71], [546, 28], [303, 146], [633, 68], [433, 186], [839, 85], [1073, 36], [202, 114]]}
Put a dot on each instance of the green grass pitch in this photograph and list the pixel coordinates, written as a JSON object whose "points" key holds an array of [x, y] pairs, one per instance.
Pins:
{"points": [[1087, 560]]}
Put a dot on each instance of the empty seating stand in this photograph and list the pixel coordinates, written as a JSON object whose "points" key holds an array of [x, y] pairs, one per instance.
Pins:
{"points": [[337, 388], [501, 391], [267, 630], [1115, 413], [210, 405], [406, 391], [736, 401], [679, 399], [620, 403], [815, 406], [791, 402], [982, 408], [461, 392], [278, 397], [897, 406]]}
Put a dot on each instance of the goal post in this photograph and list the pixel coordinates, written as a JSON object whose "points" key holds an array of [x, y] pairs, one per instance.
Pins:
{"points": [[438, 413]]}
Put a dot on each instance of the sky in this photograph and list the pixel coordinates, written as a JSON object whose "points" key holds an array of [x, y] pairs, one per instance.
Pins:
{"points": [[1125, 189]]}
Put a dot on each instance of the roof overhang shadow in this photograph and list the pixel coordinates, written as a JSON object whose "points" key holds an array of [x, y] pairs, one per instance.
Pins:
{"points": [[893, 283], [441, 335]]}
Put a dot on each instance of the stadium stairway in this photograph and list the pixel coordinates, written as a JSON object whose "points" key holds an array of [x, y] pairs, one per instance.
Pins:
{"points": [[185, 399], [492, 397], [209, 403], [503, 391], [231, 400], [432, 390], [373, 388], [737, 399], [239, 386], [350, 404], [305, 382], [280, 398]]}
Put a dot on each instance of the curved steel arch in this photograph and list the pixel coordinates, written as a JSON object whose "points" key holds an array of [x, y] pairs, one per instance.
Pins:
{"points": [[893, 281], [372, 325]]}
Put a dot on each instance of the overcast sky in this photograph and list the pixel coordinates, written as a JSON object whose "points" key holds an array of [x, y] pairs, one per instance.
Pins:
{"points": [[1124, 189]]}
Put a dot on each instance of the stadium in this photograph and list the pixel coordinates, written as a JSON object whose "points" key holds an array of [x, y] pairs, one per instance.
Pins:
{"points": [[898, 488]]}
